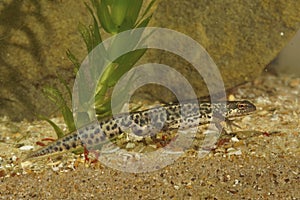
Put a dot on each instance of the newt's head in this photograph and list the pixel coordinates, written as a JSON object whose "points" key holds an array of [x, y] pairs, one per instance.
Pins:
{"points": [[239, 108]]}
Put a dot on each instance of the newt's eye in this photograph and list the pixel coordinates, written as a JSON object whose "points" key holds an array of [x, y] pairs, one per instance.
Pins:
{"points": [[242, 106]]}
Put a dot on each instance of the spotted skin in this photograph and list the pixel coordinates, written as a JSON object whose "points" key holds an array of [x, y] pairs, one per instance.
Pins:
{"points": [[148, 122]]}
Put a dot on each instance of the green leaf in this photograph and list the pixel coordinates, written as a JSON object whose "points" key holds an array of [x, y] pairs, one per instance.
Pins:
{"points": [[59, 132], [97, 36], [119, 10], [104, 109], [147, 10], [100, 95], [105, 18], [68, 118], [53, 94], [126, 62], [133, 11], [105, 106], [112, 16], [85, 34], [102, 85], [74, 60], [82, 119], [66, 85], [144, 22], [56, 96], [95, 30]]}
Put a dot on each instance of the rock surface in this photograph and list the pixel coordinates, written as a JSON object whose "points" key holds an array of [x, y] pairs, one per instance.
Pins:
{"points": [[241, 37]]}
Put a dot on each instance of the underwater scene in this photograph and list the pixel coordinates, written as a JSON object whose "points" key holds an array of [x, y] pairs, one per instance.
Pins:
{"points": [[149, 99]]}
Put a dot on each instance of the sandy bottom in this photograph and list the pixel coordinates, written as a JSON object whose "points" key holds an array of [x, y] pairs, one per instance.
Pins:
{"points": [[261, 160]]}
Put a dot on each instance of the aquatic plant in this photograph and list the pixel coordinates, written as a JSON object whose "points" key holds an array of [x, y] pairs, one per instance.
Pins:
{"points": [[112, 17]]}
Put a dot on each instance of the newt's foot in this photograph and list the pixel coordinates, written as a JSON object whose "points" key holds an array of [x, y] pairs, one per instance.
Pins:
{"points": [[86, 155]]}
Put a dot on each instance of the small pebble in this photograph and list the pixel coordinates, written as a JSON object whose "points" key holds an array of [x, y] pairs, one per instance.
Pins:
{"points": [[26, 148], [294, 83], [232, 151], [231, 97], [176, 187], [235, 139], [14, 158], [130, 145]]}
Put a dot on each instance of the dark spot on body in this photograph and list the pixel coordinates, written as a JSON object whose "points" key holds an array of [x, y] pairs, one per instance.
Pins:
{"points": [[115, 126], [97, 131], [103, 137], [92, 135], [195, 109], [125, 123], [120, 130], [190, 120], [111, 135], [158, 125], [188, 106], [162, 118], [67, 146], [74, 145], [85, 136], [155, 118], [69, 137], [138, 132], [142, 122], [136, 121], [174, 108]]}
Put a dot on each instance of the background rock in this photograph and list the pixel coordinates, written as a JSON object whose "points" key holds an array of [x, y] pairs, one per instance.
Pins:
{"points": [[288, 61], [242, 37], [34, 38]]}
